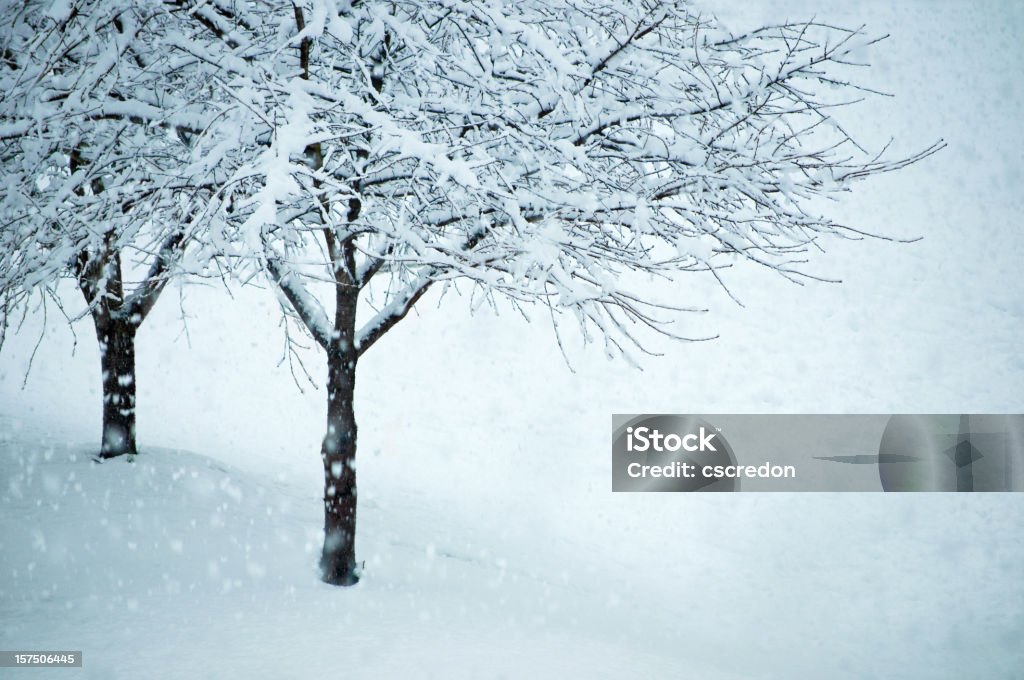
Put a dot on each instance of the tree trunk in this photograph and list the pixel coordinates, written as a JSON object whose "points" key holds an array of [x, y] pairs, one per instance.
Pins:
{"points": [[117, 359], [338, 562]]}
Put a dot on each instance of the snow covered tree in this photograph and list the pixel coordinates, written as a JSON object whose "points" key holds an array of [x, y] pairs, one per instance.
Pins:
{"points": [[544, 152], [95, 143], [359, 153]]}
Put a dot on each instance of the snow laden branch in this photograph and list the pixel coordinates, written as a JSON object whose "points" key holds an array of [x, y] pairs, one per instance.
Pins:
{"points": [[308, 308], [545, 152]]}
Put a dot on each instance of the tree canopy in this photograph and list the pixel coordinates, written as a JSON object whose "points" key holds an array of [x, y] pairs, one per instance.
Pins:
{"points": [[541, 151]]}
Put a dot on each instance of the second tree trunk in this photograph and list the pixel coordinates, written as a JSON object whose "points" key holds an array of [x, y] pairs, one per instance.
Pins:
{"points": [[117, 360]]}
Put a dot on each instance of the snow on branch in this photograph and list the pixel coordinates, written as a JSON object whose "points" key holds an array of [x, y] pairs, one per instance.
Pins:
{"points": [[579, 143], [393, 312], [308, 308], [544, 151], [111, 148]]}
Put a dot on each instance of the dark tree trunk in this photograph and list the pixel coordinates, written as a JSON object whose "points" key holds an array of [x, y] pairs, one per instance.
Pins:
{"points": [[117, 359], [117, 318], [338, 561], [99, 279]]}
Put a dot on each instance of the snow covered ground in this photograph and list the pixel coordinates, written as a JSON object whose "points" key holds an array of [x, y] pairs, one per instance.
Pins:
{"points": [[179, 565], [493, 545], [183, 566]]}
